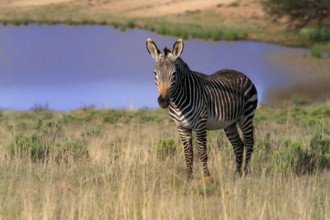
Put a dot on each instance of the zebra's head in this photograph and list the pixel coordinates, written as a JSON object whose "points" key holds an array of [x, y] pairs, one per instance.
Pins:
{"points": [[165, 69]]}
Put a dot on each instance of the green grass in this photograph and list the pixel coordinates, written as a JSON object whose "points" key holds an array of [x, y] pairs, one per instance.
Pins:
{"points": [[118, 164]]}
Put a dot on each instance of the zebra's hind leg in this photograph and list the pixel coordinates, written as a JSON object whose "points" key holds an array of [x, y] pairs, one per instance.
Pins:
{"points": [[186, 138], [247, 131], [238, 146]]}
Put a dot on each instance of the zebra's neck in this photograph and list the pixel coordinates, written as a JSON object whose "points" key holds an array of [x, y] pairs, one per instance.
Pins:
{"points": [[186, 92]]}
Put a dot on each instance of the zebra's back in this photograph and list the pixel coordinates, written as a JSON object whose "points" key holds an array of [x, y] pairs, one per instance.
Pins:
{"points": [[230, 96]]}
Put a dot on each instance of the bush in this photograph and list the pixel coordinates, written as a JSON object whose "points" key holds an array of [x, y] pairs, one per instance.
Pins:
{"points": [[290, 158], [166, 147], [294, 157], [30, 147], [216, 35], [230, 35], [316, 52], [113, 116], [131, 24], [70, 150], [322, 34], [320, 151], [91, 132]]}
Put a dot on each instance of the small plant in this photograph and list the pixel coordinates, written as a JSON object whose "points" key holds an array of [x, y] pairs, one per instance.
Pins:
{"points": [[320, 151], [166, 147], [113, 116], [131, 24], [300, 100], [318, 34], [70, 150], [39, 107], [233, 4], [216, 35], [115, 25], [104, 22], [29, 147], [289, 158], [123, 27], [230, 35], [316, 52], [299, 159], [91, 132]]}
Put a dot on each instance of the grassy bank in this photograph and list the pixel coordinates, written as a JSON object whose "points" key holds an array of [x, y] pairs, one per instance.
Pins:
{"points": [[116, 164], [207, 24]]}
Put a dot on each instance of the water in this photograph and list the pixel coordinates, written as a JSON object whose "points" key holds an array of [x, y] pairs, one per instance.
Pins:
{"points": [[69, 67]]}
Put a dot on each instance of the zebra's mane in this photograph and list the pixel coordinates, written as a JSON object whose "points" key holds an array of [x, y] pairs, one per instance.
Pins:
{"points": [[182, 65], [178, 61], [166, 51]]}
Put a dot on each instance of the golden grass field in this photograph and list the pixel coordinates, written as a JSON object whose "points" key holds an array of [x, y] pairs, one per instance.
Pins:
{"points": [[110, 164]]}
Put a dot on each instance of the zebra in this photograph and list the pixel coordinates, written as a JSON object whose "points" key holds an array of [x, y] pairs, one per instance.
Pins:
{"points": [[198, 102]]}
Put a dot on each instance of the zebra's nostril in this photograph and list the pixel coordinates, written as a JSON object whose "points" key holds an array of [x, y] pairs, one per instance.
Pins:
{"points": [[163, 102]]}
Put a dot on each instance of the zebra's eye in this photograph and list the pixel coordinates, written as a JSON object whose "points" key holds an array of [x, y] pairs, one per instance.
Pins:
{"points": [[174, 73], [155, 73]]}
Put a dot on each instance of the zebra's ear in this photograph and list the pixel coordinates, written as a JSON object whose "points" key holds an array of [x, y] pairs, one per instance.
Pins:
{"points": [[152, 49], [177, 48]]}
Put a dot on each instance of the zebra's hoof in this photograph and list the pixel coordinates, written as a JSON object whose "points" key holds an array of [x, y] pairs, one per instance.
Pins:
{"points": [[206, 180], [247, 170], [237, 174]]}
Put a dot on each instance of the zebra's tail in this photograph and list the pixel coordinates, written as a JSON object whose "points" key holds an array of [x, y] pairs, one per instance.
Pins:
{"points": [[251, 101]]}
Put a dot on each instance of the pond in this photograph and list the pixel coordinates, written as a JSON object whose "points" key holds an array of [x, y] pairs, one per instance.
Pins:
{"points": [[69, 67]]}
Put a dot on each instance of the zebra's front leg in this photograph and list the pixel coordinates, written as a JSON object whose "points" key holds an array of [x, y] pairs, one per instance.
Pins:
{"points": [[186, 138], [201, 149]]}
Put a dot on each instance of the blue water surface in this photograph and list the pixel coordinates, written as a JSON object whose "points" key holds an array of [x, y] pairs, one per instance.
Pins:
{"points": [[69, 67]]}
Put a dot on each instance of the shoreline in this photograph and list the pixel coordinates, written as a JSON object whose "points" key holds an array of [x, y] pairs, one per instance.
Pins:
{"points": [[228, 20]]}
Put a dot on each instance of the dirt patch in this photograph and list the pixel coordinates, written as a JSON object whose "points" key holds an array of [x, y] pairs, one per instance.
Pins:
{"points": [[137, 8], [27, 3], [153, 8]]}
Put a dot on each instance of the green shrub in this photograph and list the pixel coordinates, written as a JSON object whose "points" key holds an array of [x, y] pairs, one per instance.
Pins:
{"points": [[115, 25], [70, 150], [322, 34], [91, 132], [131, 24], [320, 151], [216, 35], [300, 100], [262, 155], [113, 116], [298, 159], [29, 147], [123, 27], [316, 52], [230, 35], [233, 4], [166, 147], [289, 157]]}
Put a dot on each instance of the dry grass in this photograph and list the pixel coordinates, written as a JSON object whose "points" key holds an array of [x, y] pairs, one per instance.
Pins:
{"points": [[124, 178]]}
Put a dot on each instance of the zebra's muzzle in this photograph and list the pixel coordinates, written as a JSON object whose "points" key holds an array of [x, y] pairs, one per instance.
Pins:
{"points": [[163, 101]]}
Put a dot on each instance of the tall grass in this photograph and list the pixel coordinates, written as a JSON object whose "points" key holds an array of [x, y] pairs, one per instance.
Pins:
{"points": [[113, 164]]}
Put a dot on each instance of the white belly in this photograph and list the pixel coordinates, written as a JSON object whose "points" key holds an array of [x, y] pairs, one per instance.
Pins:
{"points": [[214, 124]]}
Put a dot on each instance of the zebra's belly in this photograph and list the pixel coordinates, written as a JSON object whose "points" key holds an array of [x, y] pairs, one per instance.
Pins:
{"points": [[215, 124]]}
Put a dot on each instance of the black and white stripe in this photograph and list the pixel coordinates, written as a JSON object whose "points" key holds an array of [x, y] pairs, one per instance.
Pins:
{"points": [[197, 102]]}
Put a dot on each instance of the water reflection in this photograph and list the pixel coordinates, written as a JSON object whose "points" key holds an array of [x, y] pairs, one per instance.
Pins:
{"points": [[68, 67]]}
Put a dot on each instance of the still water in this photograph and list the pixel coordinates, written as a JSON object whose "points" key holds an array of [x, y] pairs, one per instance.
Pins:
{"points": [[69, 67]]}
